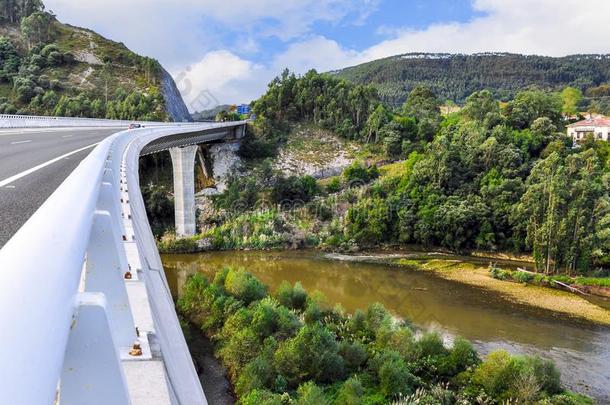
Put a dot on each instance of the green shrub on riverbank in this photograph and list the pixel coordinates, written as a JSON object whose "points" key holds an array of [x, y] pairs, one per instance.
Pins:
{"points": [[171, 243], [296, 349], [255, 230], [544, 280]]}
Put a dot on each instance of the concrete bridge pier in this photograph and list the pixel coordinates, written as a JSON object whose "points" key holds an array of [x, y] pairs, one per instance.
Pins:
{"points": [[183, 162]]}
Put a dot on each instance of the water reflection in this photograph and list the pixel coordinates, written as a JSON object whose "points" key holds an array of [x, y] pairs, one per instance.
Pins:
{"points": [[581, 350]]}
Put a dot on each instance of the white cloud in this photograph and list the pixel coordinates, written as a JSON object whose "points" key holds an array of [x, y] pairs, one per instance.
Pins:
{"points": [[545, 27], [221, 77], [317, 53]]}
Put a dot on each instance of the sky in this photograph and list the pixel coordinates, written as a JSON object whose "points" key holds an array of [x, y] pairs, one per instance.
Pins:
{"points": [[227, 51]]}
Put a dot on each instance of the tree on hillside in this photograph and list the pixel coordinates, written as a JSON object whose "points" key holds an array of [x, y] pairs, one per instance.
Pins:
{"points": [[322, 99], [530, 105], [564, 212], [14, 10], [481, 106], [377, 120], [9, 60], [423, 104], [571, 98], [37, 27]]}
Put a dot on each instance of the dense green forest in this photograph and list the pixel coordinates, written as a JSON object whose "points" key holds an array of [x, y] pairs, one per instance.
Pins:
{"points": [[48, 68], [294, 348], [491, 177], [455, 77]]}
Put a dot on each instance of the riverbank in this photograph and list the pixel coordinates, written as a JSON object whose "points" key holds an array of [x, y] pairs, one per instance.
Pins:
{"points": [[213, 376], [560, 302]]}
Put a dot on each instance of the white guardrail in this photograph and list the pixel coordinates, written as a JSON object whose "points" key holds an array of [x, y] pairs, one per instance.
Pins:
{"points": [[67, 326], [33, 121]]}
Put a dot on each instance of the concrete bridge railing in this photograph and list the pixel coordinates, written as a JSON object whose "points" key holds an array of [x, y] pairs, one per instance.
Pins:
{"points": [[85, 309]]}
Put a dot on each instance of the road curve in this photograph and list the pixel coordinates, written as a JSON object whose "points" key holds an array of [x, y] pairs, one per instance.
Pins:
{"points": [[22, 190]]}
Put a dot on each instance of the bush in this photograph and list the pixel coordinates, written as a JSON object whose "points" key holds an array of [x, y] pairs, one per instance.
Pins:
{"points": [[170, 243], [321, 210], [292, 297], [431, 344], [262, 397], [571, 399], [395, 378], [259, 373], [294, 189], [367, 222], [24, 89], [350, 393], [496, 373], [376, 316], [358, 174], [334, 185], [354, 354], [499, 274], [244, 286], [49, 49], [310, 394], [240, 349], [522, 276], [269, 318], [191, 302], [525, 378], [400, 340], [256, 230], [462, 356], [311, 355], [55, 58]]}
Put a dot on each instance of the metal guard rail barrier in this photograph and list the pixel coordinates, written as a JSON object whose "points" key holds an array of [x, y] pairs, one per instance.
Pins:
{"points": [[34, 121], [41, 275]]}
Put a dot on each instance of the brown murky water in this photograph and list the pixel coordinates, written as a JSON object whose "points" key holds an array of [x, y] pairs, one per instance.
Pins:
{"points": [[580, 350]]}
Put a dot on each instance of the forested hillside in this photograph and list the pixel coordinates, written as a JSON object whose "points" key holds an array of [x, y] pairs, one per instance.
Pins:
{"points": [[493, 177], [50, 68], [455, 77]]}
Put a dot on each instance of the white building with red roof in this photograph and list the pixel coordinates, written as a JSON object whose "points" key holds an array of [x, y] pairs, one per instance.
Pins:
{"points": [[598, 127]]}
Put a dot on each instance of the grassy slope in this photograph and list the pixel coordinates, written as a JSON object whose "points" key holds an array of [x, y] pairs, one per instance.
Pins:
{"points": [[82, 42]]}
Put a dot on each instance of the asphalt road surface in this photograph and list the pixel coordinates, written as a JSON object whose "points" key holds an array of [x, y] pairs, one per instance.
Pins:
{"points": [[33, 163]]}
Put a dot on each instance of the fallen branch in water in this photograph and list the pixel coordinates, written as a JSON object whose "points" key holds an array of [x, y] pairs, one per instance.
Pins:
{"points": [[569, 287]]}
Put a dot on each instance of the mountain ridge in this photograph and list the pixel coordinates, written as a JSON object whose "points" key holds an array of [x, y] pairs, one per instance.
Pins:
{"points": [[455, 76]]}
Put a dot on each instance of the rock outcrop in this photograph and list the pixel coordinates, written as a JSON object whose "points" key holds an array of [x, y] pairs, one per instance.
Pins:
{"points": [[174, 104]]}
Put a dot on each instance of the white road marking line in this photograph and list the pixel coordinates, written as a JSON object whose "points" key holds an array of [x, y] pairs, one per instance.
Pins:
{"points": [[41, 166], [10, 187], [67, 136], [20, 142]]}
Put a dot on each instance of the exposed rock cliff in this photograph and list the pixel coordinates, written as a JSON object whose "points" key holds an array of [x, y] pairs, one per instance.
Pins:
{"points": [[174, 104]]}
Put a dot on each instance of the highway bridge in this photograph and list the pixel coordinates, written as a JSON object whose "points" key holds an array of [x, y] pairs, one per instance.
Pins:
{"points": [[85, 309]]}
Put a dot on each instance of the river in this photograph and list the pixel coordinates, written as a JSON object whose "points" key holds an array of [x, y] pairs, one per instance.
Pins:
{"points": [[580, 350]]}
